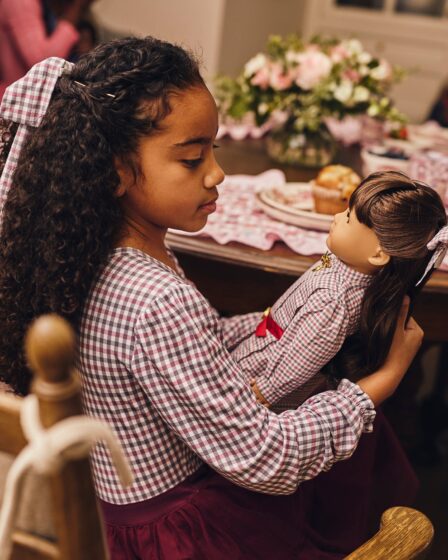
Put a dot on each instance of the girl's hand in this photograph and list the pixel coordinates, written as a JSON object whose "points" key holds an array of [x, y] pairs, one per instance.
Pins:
{"points": [[407, 340]]}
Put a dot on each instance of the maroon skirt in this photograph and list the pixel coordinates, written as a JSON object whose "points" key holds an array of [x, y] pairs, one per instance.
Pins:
{"points": [[206, 517]]}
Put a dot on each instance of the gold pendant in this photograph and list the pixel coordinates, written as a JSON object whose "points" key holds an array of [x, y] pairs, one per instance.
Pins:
{"points": [[325, 262]]}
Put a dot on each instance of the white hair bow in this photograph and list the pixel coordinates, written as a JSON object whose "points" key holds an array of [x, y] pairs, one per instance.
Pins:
{"points": [[438, 244], [25, 102]]}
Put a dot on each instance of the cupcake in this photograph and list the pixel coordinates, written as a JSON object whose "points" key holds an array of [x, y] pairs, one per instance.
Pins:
{"points": [[333, 187]]}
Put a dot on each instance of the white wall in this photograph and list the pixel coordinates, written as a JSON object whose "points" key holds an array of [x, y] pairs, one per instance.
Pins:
{"points": [[248, 24], [195, 24], [224, 33]]}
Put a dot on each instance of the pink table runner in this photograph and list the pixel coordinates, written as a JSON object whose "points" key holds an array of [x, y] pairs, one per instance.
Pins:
{"points": [[238, 218]]}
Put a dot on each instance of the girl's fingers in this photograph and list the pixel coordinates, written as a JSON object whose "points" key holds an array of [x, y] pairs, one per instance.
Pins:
{"points": [[402, 316]]}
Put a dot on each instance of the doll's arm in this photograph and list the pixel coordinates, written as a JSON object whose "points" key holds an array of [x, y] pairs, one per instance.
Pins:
{"points": [[310, 341], [236, 329]]}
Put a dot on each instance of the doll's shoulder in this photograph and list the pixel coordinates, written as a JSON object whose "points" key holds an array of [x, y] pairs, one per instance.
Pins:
{"points": [[326, 280], [311, 293], [323, 289]]}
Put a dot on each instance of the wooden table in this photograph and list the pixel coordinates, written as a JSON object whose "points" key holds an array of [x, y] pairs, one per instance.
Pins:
{"points": [[238, 279]]}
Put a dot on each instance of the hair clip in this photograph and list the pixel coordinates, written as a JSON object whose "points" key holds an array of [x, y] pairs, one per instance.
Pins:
{"points": [[84, 85]]}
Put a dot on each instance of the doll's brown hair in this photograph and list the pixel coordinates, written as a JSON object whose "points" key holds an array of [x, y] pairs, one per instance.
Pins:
{"points": [[405, 215]]}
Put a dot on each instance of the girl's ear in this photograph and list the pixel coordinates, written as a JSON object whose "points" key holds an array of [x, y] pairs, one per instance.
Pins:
{"points": [[126, 175], [380, 258]]}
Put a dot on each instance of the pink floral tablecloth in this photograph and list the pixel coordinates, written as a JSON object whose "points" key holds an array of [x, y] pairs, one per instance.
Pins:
{"points": [[238, 218]]}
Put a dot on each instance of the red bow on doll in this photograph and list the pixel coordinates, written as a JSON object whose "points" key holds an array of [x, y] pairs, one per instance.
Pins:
{"points": [[268, 324]]}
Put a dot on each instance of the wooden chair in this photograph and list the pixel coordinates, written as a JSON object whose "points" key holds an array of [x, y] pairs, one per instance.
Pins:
{"points": [[404, 534], [73, 508]]}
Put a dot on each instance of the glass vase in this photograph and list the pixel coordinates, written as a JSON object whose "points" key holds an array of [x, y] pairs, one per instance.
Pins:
{"points": [[303, 149]]}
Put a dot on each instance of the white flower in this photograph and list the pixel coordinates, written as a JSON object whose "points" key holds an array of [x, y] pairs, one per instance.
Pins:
{"points": [[373, 110], [255, 64], [293, 57], [263, 108], [378, 73], [364, 70], [364, 58], [297, 141], [354, 46], [382, 72], [344, 91], [360, 94]]}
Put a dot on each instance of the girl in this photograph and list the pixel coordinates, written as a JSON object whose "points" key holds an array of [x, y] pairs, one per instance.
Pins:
{"points": [[123, 151]]}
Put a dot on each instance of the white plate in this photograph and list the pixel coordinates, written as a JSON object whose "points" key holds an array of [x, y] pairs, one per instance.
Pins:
{"points": [[301, 213]]}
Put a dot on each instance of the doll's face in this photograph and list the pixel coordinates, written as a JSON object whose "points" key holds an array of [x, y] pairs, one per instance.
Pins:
{"points": [[355, 244]]}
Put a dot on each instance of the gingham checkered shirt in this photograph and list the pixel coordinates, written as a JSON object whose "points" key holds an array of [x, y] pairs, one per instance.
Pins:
{"points": [[316, 314], [155, 366]]}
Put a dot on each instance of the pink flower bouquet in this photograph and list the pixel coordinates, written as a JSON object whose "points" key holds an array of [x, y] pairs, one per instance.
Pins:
{"points": [[298, 85]]}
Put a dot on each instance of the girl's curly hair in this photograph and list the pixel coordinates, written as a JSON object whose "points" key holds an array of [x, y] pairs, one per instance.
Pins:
{"points": [[62, 217]]}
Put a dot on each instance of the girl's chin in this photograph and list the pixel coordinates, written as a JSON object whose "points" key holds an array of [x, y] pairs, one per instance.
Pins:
{"points": [[194, 227]]}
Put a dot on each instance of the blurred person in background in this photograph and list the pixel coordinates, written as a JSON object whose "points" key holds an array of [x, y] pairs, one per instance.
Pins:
{"points": [[439, 111], [31, 30], [88, 38]]}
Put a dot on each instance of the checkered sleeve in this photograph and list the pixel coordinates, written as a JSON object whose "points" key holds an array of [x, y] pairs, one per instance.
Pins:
{"points": [[199, 392], [237, 328], [310, 341]]}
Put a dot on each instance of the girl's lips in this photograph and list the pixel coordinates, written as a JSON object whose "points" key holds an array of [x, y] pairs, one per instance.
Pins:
{"points": [[209, 208]]}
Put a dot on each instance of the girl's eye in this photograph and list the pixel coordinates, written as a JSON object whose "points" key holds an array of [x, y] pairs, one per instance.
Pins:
{"points": [[348, 216], [192, 163]]}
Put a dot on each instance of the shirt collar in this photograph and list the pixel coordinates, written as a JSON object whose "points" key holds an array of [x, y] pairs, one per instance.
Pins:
{"points": [[349, 274]]}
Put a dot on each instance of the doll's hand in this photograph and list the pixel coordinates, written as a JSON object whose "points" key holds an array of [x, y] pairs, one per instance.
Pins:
{"points": [[407, 340], [258, 394]]}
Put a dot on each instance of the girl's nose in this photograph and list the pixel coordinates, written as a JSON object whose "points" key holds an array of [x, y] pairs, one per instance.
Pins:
{"points": [[214, 177]]}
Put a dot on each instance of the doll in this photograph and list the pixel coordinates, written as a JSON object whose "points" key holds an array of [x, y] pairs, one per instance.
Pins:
{"points": [[340, 315], [338, 320]]}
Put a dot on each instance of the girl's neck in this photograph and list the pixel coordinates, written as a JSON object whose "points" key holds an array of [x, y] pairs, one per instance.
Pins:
{"points": [[150, 242]]}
